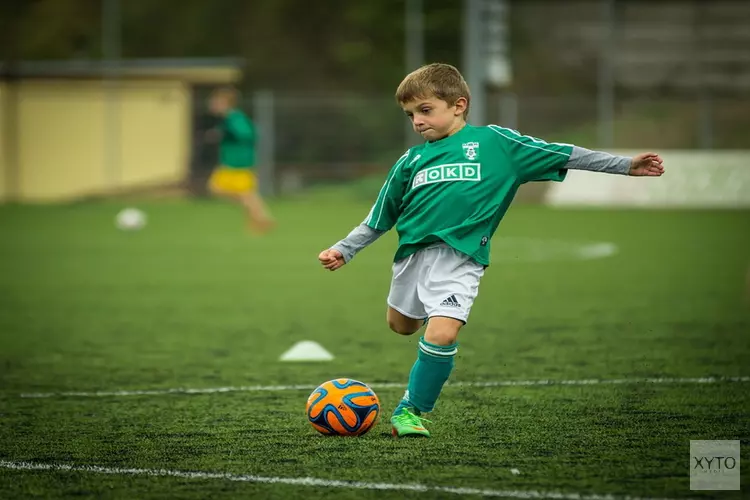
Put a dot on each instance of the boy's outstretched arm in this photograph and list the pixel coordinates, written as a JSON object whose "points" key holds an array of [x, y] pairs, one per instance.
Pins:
{"points": [[382, 217], [642, 165], [343, 251], [538, 160]]}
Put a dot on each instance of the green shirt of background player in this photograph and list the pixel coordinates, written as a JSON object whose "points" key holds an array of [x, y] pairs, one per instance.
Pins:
{"points": [[237, 146], [235, 177], [446, 198]]}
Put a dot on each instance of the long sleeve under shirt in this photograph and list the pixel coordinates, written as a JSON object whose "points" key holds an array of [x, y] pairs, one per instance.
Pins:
{"points": [[580, 159]]}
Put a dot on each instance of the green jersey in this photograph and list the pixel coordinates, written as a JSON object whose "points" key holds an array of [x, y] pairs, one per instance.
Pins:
{"points": [[237, 148], [457, 189]]}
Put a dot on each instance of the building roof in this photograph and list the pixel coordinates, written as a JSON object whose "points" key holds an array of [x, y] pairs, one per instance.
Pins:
{"points": [[208, 70]]}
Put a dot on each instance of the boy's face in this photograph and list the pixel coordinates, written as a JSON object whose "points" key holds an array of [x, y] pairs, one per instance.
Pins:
{"points": [[433, 118], [218, 104]]}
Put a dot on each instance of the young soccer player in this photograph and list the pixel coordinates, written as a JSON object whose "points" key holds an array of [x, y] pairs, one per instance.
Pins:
{"points": [[446, 198], [235, 176]]}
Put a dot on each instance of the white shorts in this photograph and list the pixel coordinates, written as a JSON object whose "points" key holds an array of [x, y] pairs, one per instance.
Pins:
{"points": [[436, 281]]}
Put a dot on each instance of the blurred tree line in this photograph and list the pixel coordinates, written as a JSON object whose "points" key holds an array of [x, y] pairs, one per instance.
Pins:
{"points": [[286, 44], [322, 45], [299, 48], [340, 47]]}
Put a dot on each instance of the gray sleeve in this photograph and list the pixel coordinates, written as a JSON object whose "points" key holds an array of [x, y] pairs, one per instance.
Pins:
{"points": [[359, 238], [597, 161]]}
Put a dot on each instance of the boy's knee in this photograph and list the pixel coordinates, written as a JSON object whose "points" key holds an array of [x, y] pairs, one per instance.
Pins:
{"points": [[401, 324], [443, 331], [403, 328]]}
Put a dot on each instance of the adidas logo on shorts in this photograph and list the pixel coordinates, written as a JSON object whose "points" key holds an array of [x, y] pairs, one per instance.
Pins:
{"points": [[450, 302]]}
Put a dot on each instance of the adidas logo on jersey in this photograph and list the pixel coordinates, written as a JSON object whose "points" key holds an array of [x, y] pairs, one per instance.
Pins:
{"points": [[450, 302]]}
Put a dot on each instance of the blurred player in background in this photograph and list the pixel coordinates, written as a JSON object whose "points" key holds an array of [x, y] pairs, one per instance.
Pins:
{"points": [[235, 177], [446, 198]]}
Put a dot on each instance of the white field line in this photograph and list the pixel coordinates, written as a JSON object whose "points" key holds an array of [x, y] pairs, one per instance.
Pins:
{"points": [[386, 385], [312, 482]]}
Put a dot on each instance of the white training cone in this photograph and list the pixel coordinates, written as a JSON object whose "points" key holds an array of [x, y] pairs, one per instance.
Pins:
{"points": [[306, 350]]}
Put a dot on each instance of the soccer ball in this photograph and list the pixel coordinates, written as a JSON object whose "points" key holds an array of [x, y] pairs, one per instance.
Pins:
{"points": [[130, 219], [343, 407]]}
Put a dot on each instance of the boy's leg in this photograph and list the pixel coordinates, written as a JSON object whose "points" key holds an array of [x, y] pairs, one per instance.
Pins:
{"points": [[448, 297], [406, 313], [257, 211], [435, 360], [402, 324]]}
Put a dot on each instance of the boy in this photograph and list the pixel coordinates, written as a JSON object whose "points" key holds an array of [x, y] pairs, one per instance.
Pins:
{"points": [[235, 177], [446, 198]]}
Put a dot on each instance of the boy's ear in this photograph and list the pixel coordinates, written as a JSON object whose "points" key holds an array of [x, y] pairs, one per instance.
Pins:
{"points": [[460, 105]]}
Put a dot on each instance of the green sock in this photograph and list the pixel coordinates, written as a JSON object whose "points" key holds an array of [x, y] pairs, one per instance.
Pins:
{"points": [[432, 368]]}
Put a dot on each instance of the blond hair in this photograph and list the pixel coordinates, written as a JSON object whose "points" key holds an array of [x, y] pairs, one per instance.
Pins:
{"points": [[439, 80], [231, 94]]}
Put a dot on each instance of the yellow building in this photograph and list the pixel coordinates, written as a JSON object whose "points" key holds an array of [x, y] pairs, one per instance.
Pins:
{"points": [[71, 130]]}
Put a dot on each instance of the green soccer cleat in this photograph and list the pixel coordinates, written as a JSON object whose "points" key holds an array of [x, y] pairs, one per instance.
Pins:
{"points": [[407, 424]]}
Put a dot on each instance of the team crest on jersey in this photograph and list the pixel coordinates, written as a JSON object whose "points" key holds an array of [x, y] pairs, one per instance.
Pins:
{"points": [[471, 150]]}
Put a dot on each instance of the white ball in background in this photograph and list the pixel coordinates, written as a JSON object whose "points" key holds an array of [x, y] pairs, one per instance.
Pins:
{"points": [[130, 219]]}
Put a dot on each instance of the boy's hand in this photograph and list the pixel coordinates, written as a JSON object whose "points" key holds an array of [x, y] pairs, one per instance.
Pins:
{"points": [[212, 135], [331, 259], [646, 165]]}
